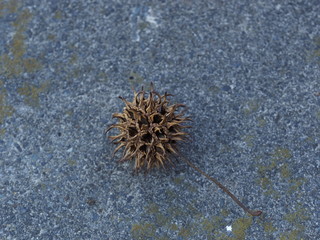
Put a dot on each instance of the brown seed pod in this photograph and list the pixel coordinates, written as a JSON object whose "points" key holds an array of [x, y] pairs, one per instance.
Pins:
{"points": [[149, 129]]}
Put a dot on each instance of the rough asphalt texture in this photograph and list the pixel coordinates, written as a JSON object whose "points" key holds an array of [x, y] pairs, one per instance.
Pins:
{"points": [[249, 72]]}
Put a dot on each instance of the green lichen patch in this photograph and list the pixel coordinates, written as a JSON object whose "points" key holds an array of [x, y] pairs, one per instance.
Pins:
{"points": [[185, 185], [51, 37], [2, 132], [268, 227], [296, 184], [251, 107], [14, 63], [261, 121], [72, 162], [249, 140], [316, 52], [31, 93], [73, 59], [143, 231], [173, 221], [102, 77], [152, 208], [31, 64], [281, 154], [297, 221], [298, 216], [265, 182], [213, 224], [22, 20], [278, 163], [5, 110], [171, 195], [214, 89], [178, 180], [240, 226], [186, 232], [17, 45], [284, 171], [58, 15], [9, 7]]}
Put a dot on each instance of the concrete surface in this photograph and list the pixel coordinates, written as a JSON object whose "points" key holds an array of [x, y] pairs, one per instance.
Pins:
{"points": [[249, 72]]}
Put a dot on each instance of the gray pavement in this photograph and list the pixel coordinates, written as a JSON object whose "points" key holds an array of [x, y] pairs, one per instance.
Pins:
{"points": [[249, 72]]}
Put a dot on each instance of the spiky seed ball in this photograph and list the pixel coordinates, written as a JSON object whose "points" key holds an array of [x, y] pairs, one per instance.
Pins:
{"points": [[149, 129]]}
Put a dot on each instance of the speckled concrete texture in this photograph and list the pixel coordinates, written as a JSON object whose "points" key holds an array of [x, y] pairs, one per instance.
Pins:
{"points": [[249, 72]]}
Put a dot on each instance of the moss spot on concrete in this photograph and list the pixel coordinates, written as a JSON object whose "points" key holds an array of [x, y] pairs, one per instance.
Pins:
{"points": [[17, 45], [296, 219], [162, 219], [177, 180], [13, 6], [284, 171], [31, 64], [265, 182], [251, 107], [51, 37], [103, 77], [261, 122], [73, 59], [315, 53], [143, 25], [32, 92], [22, 20], [143, 231], [296, 184], [14, 63], [263, 169], [69, 113], [281, 154], [176, 212], [211, 225], [194, 211], [152, 208], [318, 115], [9, 7], [185, 232], [240, 227], [214, 89], [72, 162], [291, 235], [249, 140], [2, 132], [58, 15], [278, 161], [173, 227], [268, 227], [171, 195], [5, 110], [298, 216]]}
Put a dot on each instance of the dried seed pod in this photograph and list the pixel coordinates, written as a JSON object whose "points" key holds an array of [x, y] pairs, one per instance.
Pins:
{"points": [[149, 129]]}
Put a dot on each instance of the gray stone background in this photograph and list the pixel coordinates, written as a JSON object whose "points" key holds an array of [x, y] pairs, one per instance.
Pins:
{"points": [[249, 72]]}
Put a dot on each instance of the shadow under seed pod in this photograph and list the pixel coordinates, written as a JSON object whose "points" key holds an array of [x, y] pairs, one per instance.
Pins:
{"points": [[150, 129]]}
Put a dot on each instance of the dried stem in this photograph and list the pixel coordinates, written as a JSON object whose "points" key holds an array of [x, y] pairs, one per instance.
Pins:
{"points": [[252, 213]]}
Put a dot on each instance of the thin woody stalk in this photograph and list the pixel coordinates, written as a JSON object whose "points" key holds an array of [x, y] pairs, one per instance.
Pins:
{"points": [[252, 213]]}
